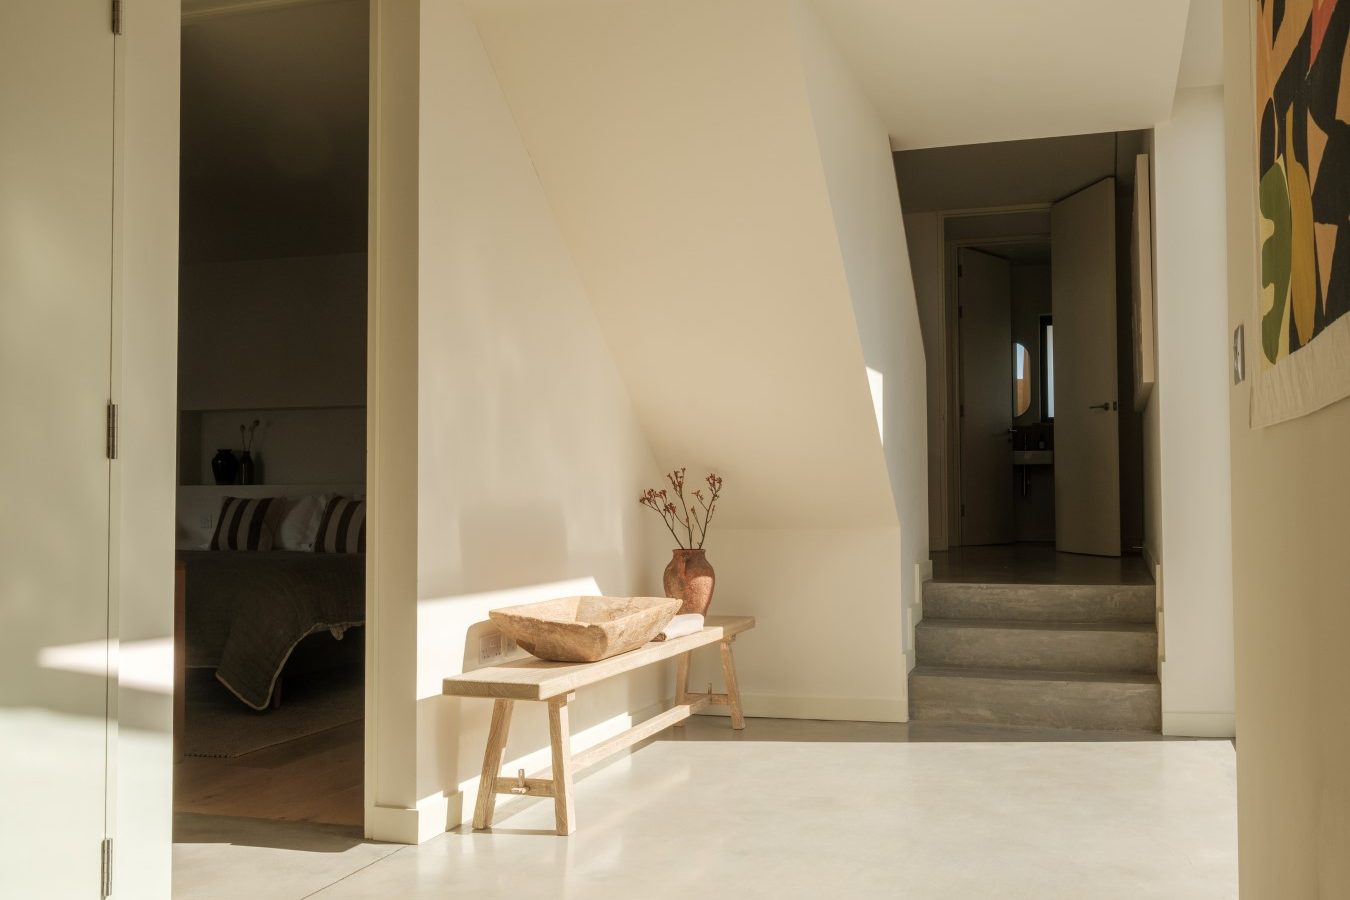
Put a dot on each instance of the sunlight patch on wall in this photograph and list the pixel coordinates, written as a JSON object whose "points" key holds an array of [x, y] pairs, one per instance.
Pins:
{"points": [[877, 382], [449, 628], [140, 665]]}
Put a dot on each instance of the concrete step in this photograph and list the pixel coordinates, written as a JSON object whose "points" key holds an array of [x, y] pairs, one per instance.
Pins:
{"points": [[1050, 646], [1021, 697], [1040, 602]]}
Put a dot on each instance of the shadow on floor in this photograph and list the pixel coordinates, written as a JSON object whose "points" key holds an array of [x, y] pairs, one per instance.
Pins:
{"points": [[305, 837]]}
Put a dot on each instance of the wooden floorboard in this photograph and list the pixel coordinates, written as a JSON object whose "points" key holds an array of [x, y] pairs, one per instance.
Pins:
{"points": [[316, 778]]}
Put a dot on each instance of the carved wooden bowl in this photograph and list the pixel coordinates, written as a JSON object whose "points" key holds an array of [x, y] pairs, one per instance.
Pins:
{"points": [[585, 629]]}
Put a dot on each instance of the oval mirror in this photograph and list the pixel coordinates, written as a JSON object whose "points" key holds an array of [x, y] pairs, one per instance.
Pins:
{"points": [[1021, 380]]}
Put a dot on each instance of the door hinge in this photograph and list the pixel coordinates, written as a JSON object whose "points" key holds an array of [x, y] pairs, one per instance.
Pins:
{"points": [[112, 430], [960, 270], [116, 16], [105, 868], [961, 411], [963, 509]]}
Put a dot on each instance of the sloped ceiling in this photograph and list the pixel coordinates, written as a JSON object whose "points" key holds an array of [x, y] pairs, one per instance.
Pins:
{"points": [[676, 146], [971, 71]]}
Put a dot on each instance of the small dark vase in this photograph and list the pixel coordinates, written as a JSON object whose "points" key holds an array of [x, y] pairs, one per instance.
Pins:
{"points": [[690, 577], [224, 467], [246, 470]]}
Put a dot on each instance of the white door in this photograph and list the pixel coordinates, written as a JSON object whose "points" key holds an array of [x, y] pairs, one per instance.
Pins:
{"points": [[56, 183], [984, 295], [1083, 301]]}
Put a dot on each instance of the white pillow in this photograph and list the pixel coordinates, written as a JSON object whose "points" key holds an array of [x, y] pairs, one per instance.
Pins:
{"points": [[300, 522]]}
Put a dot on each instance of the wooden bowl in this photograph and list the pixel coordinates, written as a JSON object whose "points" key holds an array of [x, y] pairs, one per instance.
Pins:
{"points": [[585, 629]]}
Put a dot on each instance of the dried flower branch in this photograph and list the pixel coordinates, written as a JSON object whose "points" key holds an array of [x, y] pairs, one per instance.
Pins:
{"points": [[676, 479], [246, 435], [653, 499], [693, 520]]}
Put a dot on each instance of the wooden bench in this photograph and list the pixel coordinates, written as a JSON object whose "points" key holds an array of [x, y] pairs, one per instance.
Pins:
{"points": [[556, 684]]}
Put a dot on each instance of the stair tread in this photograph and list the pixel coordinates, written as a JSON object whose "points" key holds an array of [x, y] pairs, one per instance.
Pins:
{"points": [[1034, 674], [1052, 585], [1035, 625]]}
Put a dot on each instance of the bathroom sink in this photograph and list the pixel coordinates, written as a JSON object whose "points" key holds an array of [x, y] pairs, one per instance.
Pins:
{"points": [[1033, 457], [585, 629]]}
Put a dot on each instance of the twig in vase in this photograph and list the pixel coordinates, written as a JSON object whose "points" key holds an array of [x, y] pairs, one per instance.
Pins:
{"points": [[690, 520], [246, 435], [676, 479], [653, 499]]}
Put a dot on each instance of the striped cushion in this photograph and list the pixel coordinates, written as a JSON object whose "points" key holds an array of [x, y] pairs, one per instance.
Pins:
{"points": [[247, 523], [343, 527]]}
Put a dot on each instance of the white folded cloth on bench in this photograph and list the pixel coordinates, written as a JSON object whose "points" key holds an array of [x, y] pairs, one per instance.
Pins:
{"points": [[681, 625]]}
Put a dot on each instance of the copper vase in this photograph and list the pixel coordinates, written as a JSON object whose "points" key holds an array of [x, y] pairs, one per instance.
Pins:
{"points": [[690, 577]]}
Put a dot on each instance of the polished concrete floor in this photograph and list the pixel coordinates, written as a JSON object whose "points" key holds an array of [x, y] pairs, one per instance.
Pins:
{"points": [[1035, 564], [792, 809]]}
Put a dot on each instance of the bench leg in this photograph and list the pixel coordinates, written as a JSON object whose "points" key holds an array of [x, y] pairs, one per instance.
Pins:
{"points": [[492, 763], [681, 682], [733, 689], [560, 741]]}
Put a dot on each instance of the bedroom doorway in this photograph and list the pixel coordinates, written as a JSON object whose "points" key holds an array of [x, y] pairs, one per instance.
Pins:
{"points": [[270, 571]]}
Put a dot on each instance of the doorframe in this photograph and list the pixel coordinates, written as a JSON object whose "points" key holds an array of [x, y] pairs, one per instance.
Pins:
{"points": [[948, 319], [390, 796], [145, 295]]}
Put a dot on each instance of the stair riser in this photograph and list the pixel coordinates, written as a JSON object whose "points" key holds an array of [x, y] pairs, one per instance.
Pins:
{"points": [[1094, 706], [1035, 649], [1040, 602]]}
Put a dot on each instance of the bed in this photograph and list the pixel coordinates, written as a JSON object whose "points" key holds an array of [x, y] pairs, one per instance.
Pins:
{"points": [[243, 613]]}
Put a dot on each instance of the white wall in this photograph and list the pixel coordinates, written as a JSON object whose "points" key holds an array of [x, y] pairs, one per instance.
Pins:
{"points": [[530, 458], [279, 332], [678, 151], [282, 340], [829, 624], [1291, 578], [924, 244], [1190, 474], [860, 178], [735, 223]]}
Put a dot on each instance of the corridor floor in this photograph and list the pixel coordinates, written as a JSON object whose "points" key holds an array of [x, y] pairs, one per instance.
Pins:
{"points": [[792, 809]]}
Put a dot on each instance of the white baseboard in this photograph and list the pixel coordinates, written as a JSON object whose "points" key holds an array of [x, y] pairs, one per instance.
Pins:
{"points": [[1149, 562], [913, 615], [835, 709], [1198, 724], [413, 825]]}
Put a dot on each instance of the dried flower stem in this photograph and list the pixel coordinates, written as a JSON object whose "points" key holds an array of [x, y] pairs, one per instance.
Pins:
{"points": [[685, 516], [246, 435], [657, 500], [676, 480]]}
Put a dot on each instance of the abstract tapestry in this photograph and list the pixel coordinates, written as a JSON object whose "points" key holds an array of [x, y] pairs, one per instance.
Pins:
{"points": [[1303, 158]]}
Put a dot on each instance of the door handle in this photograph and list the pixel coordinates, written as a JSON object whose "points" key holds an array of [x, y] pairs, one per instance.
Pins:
{"points": [[1102, 406]]}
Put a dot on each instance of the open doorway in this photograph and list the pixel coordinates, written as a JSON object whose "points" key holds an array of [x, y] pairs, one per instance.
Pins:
{"points": [[1023, 272], [270, 570], [1006, 384]]}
